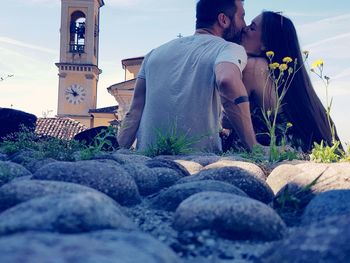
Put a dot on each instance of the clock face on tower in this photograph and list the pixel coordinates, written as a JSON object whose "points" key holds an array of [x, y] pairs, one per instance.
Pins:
{"points": [[75, 94]]}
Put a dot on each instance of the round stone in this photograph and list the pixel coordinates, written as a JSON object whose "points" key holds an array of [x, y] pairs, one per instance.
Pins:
{"points": [[230, 215]]}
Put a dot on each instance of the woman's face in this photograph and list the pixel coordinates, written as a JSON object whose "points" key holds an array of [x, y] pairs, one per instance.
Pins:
{"points": [[251, 37]]}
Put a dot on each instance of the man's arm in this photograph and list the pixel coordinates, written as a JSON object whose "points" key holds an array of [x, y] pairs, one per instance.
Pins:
{"points": [[131, 122], [230, 85]]}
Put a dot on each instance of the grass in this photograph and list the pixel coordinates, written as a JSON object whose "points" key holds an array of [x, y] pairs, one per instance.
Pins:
{"points": [[27, 140], [171, 142], [292, 203], [100, 143], [322, 153], [258, 154], [49, 147]]}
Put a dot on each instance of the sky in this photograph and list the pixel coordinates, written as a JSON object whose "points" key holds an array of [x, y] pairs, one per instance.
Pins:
{"points": [[29, 45]]}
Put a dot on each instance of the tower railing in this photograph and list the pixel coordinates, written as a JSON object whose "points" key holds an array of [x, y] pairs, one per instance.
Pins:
{"points": [[76, 48]]}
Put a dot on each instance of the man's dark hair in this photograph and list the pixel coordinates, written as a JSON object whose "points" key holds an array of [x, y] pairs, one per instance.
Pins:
{"points": [[207, 11]]}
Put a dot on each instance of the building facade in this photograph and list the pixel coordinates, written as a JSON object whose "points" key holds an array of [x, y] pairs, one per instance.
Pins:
{"points": [[124, 91]]}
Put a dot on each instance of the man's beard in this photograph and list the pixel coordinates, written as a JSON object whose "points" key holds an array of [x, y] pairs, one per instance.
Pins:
{"points": [[233, 35]]}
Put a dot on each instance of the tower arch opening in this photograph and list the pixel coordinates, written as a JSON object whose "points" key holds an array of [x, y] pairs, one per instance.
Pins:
{"points": [[77, 32]]}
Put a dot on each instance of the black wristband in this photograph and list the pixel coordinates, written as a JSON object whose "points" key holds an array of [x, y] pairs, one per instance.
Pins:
{"points": [[241, 99]]}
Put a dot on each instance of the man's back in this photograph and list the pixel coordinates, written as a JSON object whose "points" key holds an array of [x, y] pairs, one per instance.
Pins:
{"points": [[180, 90]]}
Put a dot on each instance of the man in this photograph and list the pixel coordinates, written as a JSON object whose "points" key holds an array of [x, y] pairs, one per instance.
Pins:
{"points": [[182, 84]]}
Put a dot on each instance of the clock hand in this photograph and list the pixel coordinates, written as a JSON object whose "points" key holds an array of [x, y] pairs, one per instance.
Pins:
{"points": [[70, 92], [74, 92]]}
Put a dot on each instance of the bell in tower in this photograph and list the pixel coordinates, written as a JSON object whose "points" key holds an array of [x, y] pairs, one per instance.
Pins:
{"points": [[77, 32], [78, 65]]}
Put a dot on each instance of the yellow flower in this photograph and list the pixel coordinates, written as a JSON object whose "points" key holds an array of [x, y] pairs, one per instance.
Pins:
{"points": [[274, 65], [270, 54], [287, 60], [283, 67], [317, 63], [289, 124]]}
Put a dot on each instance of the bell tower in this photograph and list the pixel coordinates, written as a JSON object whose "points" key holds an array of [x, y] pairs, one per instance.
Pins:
{"points": [[78, 65]]}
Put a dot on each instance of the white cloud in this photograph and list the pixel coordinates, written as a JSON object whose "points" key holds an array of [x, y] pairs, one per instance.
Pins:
{"points": [[324, 28], [14, 62], [28, 63], [41, 2], [122, 3], [327, 39], [329, 21], [35, 78], [145, 6], [334, 51], [341, 39], [304, 14], [335, 19], [344, 74], [340, 93], [11, 41]]}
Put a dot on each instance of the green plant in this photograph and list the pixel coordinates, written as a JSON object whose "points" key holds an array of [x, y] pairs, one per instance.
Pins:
{"points": [[100, 143], [347, 158], [59, 149], [295, 199], [287, 199], [257, 154], [323, 152], [42, 147], [347, 155], [171, 142], [281, 77], [317, 69], [284, 137], [288, 154], [25, 139]]}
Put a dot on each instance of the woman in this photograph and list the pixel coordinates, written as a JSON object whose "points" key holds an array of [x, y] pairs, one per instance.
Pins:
{"points": [[273, 32]]}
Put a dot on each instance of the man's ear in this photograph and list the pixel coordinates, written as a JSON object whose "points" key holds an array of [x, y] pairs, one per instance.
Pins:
{"points": [[223, 21]]}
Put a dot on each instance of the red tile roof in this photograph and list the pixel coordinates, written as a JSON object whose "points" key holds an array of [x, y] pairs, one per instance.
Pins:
{"points": [[62, 128]]}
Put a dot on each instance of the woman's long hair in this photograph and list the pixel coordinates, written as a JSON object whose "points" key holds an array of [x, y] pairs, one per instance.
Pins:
{"points": [[301, 105]]}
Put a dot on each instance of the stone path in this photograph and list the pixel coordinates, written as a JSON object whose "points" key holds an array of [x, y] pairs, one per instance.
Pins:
{"points": [[125, 207]]}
